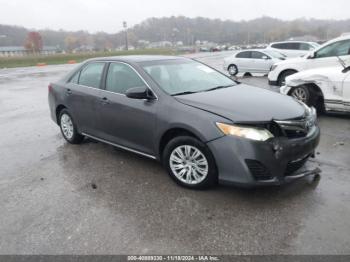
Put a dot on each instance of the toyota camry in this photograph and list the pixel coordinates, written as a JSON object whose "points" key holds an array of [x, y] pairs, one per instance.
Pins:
{"points": [[200, 124]]}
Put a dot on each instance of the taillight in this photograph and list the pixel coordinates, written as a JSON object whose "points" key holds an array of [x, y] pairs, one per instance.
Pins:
{"points": [[50, 88]]}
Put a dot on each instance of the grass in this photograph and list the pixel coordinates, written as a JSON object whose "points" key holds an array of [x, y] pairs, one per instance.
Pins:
{"points": [[33, 60]]}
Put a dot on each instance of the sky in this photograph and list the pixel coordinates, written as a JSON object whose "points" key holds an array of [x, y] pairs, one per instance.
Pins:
{"points": [[108, 15]]}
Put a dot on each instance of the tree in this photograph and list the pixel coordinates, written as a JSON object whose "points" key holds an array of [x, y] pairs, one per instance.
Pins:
{"points": [[33, 42]]}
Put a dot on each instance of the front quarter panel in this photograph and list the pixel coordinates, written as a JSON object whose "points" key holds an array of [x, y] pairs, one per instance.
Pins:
{"points": [[175, 115]]}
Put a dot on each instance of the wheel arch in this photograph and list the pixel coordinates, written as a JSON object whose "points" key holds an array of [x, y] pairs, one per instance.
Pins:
{"points": [[173, 132], [316, 91], [59, 108], [284, 71]]}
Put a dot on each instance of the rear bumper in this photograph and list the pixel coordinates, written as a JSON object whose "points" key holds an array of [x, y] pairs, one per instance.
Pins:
{"points": [[52, 106], [253, 163]]}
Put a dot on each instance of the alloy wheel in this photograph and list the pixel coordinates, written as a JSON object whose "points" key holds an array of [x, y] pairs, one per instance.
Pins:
{"points": [[67, 126], [232, 70], [189, 164], [300, 94]]}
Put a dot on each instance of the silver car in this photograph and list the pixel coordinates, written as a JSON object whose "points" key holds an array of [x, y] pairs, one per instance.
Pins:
{"points": [[252, 61]]}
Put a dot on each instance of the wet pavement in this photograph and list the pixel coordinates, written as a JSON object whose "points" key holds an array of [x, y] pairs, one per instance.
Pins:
{"points": [[91, 198]]}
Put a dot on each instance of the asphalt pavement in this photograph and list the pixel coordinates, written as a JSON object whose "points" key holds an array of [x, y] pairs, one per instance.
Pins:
{"points": [[58, 198]]}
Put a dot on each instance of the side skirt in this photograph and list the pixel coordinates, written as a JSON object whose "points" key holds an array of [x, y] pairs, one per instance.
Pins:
{"points": [[120, 146]]}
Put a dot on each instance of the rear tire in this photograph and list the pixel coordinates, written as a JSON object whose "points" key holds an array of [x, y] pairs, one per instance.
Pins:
{"points": [[68, 128], [282, 77], [190, 163]]}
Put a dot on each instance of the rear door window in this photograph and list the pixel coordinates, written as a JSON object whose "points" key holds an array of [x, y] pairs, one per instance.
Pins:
{"points": [[305, 47], [75, 78], [287, 46], [246, 54], [280, 46], [91, 75], [293, 46]]}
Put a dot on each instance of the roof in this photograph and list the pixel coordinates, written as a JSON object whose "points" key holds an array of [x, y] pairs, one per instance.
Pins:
{"points": [[137, 58], [252, 49]]}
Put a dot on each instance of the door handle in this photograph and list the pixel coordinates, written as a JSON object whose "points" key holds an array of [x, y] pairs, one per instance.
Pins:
{"points": [[104, 101], [68, 92]]}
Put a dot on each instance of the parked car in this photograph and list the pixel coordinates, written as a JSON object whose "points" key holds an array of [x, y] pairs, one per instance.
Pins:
{"points": [[252, 61], [293, 48], [325, 88], [198, 122], [324, 56], [234, 48], [215, 49], [204, 49]]}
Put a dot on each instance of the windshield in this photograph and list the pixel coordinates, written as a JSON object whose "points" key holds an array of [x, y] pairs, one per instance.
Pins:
{"points": [[275, 54], [315, 45], [181, 76]]}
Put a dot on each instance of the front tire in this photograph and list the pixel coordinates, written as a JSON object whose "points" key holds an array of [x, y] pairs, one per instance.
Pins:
{"points": [[302, 93], [190, 163], [68, 128], [232, 70]]}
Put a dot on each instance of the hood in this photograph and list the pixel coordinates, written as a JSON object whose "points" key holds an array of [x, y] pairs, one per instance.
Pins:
{"points": [[244, 103], [295, 60], [278, 60]]}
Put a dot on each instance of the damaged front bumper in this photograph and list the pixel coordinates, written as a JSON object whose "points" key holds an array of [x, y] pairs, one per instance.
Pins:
{"points": [[252, 163], [285, 89]]}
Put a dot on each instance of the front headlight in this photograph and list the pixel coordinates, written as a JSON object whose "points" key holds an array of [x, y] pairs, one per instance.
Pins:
{"points": [[254, 133], [310, 113]]}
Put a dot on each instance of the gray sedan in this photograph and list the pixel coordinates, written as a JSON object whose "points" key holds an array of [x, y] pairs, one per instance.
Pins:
{"points": [[203, 126]]}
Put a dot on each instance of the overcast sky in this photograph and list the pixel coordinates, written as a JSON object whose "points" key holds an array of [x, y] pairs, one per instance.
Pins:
{"points": [[107, 15]]}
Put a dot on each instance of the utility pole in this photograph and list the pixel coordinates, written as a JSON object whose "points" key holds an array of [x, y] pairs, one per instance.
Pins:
{"points": [[125, 25]]}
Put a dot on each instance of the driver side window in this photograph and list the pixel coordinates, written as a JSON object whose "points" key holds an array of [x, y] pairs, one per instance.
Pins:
{"points": [[122, 77], [340, 48]]}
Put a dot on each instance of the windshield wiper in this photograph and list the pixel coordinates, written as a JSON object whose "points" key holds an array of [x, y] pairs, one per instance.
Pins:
{"points": [[342, 62], [184, 93], [217, 87], [344, 65], [193, 92]]}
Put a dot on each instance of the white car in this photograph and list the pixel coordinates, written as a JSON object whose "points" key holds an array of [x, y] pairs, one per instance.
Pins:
{"points": [[252, 61], [293, 48], [327, 89], [323, 56]]}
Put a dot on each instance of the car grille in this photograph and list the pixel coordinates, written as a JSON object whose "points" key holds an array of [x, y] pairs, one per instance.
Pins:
{"points": [[292, 128], [258, 170], [295, 128]]}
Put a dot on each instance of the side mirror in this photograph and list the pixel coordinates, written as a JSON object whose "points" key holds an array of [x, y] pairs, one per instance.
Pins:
{"points": [[312, 55], [141, 92], [265, 57]]}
